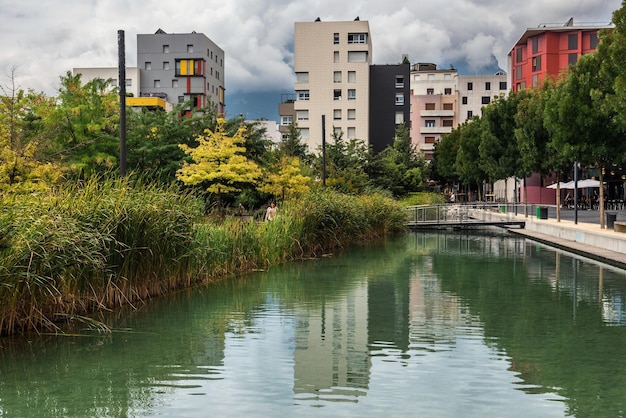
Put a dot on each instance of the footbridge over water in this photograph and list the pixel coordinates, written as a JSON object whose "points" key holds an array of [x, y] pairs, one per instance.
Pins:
{"points": [[460, 216]]}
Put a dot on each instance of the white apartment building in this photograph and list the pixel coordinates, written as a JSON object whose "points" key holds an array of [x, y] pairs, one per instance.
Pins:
{"points": [[332, 63], [477, 91], [112, 73]]}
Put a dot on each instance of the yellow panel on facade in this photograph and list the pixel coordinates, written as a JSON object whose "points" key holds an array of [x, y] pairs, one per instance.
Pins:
{"points": [[145, 102], [183, 67]]}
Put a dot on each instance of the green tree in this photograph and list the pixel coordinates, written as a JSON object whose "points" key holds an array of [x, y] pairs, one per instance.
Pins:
{"points": [[23, 142], [292, 145], [444, 157], [85, 125], [345, 164], [467, 164], [219, 163]]}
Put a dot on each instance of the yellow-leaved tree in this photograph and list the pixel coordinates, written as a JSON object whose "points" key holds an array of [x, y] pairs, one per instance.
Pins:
{"points": [[219, 162], [285, 179]]}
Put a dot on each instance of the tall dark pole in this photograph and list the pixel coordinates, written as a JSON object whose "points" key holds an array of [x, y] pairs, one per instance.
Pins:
{"points": [[122, 86], [324, 150], [575, 192]]}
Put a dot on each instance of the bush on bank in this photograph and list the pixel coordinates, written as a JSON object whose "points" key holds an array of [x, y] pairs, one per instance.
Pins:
{"points": [[81, 249]]}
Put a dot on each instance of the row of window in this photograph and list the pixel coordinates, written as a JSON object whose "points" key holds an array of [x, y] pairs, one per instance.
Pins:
{"points": [[175, 84], [572, 44], [502, 85], [209, 53], [430, 123], [353, 38], [304, 95], [186, 67], [353, 56], [483, 100]]}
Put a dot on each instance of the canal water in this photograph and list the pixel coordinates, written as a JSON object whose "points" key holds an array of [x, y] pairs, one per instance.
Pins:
{"points": [[450, 324]]}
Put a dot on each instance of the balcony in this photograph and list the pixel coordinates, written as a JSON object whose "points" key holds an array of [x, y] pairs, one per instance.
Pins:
{"points": [[437, 113], [435, 130]]}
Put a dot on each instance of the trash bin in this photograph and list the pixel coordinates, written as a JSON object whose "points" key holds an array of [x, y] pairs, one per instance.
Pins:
{"points": [[502, 209], [542, 212], [610, 220]]}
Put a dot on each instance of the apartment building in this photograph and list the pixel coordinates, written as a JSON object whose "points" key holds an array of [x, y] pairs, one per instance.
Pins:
{"points": [[389, 103], [434, 105], [547, 50], [477, 91], [181, 67], [332, 65]]}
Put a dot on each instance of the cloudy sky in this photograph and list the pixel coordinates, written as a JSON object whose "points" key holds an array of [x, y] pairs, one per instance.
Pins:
{"points": [[43, 39]]}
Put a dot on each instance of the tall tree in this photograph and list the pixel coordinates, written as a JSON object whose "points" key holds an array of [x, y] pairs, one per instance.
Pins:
{"points": [[219, 163], [284, 179]]}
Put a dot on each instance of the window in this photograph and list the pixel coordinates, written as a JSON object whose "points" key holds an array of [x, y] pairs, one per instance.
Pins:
{"points": [[485, 100], [337, 77], [399, 118], [351, 133], [399, 99], [302, 77], [429, 123], [535, 80], [302, 115], [593, 41], [429, 106], [357, 56], [429, 140], [503, 85], [351, 76], [128, 82], [447, 123], [572, 58], [351, 94], [447, 76], [148, 65], [302, 94], [351, 114], [114, 83], [537, 63], [535, 45], [448, 106], [357, 38], [416, 77], [335, 38], [174, 83], [399, 81], [572, 41], [181, 99], [447, 91], [286, 120], [487, 85], [166, 65], [189, 49], [519, 56], [304, 133], [157, 83], [430, 92], [464, 100], [430, 77], [470, 86], [336, 56], [337, 94], [337, 114], [469, 114], [166, 49], [193, 67], [337, 132], [518, 72]]}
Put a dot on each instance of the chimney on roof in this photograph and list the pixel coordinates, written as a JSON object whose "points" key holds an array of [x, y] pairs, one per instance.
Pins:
{"points": [[318, 20]]}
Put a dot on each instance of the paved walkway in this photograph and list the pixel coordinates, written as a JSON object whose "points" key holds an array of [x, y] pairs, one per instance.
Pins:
{"points": [[587, 221]]}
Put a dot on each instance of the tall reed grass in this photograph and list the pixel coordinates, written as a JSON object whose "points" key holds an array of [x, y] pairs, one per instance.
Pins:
{"points": [[109, 243]]}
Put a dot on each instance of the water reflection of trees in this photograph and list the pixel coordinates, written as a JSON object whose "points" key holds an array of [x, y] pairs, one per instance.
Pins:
{"points": [[550, 312]]}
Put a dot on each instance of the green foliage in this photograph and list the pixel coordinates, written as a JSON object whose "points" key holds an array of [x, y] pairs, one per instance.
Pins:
{"points": [[423, 198]]}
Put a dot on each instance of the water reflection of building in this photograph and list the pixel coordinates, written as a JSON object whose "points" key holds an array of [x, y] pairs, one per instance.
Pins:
{"points": [[331, 356]]}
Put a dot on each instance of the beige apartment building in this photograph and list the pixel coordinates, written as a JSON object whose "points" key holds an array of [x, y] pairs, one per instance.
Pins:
{"points": [[332, 65]]}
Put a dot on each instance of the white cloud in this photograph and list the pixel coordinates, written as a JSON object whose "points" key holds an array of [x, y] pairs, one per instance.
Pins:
{"points": [[44, 40]]}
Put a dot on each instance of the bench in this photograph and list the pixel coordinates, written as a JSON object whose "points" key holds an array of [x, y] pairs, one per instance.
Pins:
{"points": [[619, 226]]}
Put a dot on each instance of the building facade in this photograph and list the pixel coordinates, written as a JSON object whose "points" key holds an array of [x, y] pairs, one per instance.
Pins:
{"points": [[434, 105], [547, 50], [389, 103], [331, 62], [181, 67], [477, 91]]}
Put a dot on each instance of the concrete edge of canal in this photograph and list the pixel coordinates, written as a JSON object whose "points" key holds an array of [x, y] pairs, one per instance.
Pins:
{"points": [[584, 239]]}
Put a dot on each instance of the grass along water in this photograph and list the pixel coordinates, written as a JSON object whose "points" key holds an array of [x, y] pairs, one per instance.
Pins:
{"points": [[110, 243]]}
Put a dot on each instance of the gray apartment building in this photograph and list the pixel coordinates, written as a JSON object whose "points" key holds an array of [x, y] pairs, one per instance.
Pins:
{"points": [[181, 67]]}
